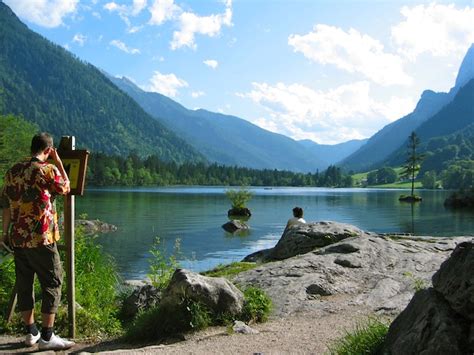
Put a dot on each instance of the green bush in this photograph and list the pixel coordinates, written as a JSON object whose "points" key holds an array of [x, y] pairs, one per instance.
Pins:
{"points": [[257, 305], [367, 338], [162, 268], [239, 198], [97, 284]]}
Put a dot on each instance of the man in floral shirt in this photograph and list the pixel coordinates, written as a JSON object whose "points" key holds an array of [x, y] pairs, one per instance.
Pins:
{"points": [[30, 228]]}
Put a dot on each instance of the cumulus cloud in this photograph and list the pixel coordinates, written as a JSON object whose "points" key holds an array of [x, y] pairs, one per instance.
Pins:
{"points": [[353, 52], [333, 116], [79, 39], [162, 11], [46, 13], [440, 30], [189, 24], [211, 63], [166, 84], [123, 47], [196, 94]]}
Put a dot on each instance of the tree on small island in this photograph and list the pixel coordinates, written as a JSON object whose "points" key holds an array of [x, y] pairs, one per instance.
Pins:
{"points": [[412, 167], [239, 199]]}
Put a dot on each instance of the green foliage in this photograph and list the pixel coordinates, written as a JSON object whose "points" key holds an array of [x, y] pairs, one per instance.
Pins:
{"points": [[459, 175], [413, 161], [367, 338], [131, 170], [15, 140], [257, 305], [65, 96], [230, 270], [96, 293], [162, 268], [239, 198], [429, 180]]}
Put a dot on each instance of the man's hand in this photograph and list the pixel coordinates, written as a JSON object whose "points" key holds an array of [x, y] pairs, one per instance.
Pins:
{"points": [[53, 153]]}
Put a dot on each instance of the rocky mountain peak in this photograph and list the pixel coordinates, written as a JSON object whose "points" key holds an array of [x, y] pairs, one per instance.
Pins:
{"points": [[466, 71]]}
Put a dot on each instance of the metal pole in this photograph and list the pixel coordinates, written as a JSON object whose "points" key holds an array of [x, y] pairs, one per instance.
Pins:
{"points": [[69, 237]]}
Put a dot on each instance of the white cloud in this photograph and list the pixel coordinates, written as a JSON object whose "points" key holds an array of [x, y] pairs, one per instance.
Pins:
{"points": [[196, 94], [440, 30], [125, 12], [96, 15], [353, 52], [79, 39], [190, 24], [211, 63], [166, 84], [346, 112], [162, 11], [46, 13], [123, 47]]}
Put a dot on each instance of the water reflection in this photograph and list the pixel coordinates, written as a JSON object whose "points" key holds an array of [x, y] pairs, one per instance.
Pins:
{"points": [[196, 215]]}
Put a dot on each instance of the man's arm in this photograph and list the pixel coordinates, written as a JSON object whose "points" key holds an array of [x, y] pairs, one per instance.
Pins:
{"points": [[59, 165], [6, 219]]}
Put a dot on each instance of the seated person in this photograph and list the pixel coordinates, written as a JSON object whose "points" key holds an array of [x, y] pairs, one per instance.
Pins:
{"points": [[297, 218]]}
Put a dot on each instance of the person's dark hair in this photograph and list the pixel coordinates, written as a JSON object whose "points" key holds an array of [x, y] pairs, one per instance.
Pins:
{"points": [[298, 212], [40, 142]]}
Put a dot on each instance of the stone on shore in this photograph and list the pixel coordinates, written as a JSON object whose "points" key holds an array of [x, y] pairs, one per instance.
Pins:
{"points": [[234, 226], [439, 320], [217, 293], [303, 238], [95, 226], [142, 298], [378, 272]]}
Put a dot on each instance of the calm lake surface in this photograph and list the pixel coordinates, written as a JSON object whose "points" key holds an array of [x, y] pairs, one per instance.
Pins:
{"points": [[195, 215]]}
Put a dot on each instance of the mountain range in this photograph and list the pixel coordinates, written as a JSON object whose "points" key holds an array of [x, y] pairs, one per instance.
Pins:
{"points": [[381, 147], [46, 84]]}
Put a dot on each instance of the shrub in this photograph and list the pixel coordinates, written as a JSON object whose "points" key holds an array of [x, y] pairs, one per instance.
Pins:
{"points": [[239, 198], [367, 338], [257, 305], [162, 268]]}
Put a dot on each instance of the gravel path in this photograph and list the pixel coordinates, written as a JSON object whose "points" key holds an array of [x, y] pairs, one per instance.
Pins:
{"points": [[308, 333]]}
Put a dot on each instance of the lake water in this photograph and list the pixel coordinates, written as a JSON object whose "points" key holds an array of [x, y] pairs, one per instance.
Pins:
{"points": [[196, 214]]}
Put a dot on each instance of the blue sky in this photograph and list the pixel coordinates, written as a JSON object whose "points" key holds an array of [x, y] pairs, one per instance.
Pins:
{"points": [[329, 71]]}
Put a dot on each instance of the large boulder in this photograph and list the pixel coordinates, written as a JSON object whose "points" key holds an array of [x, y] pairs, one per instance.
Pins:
{"points": [[439, 320], [455, 280], [217, 293], [303, 238]]}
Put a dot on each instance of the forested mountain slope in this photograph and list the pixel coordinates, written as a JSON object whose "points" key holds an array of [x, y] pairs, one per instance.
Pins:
{"points": [[47, 85]]}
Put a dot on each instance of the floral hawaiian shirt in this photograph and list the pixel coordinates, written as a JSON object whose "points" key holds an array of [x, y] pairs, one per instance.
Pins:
{"points": [[29, 191]]}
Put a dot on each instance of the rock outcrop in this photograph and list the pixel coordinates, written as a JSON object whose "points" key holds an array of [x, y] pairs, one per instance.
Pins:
{"points": [[234, 226], [439, 320], [303, 238], [374, 271]]}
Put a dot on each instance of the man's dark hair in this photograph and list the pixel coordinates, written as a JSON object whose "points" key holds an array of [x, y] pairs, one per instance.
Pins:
{"points": [[298, 212], [40, 142]]}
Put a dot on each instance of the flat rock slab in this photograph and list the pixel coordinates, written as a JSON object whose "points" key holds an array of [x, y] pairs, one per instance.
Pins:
{"points": [[379, 272]]}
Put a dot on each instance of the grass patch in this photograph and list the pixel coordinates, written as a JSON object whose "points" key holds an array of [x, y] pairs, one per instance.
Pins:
{"points": [[367, 338], [229, 270]]}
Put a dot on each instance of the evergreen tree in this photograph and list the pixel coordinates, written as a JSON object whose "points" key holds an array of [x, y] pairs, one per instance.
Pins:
{"points": [[413, 161]]}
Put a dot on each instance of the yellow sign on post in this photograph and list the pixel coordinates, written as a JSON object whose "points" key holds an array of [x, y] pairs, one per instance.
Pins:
{"points": [[75, 164]]}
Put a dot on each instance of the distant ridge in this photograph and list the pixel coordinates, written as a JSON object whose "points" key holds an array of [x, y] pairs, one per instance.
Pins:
{"points": [[223, 138], [392, 137], [47, 85]]}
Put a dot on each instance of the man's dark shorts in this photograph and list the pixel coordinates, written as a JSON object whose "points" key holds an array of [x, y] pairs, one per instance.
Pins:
{"points": [[45, 262]]}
